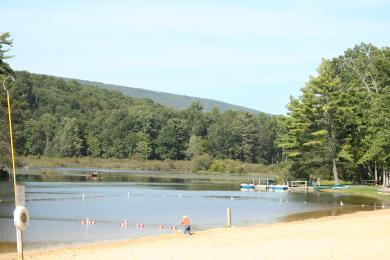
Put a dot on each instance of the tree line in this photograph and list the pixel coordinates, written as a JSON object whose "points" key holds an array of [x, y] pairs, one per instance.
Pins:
{"points": [[56, 117], [66, 119], [337, 128]]}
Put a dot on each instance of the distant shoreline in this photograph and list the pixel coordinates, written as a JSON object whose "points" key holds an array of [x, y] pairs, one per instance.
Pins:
{"points": [[180, 168], [341, 237]]}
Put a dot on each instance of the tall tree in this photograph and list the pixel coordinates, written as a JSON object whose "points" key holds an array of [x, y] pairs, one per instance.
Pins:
{"points": [[5, 43], [68, 141], [314, 121], [173, 140], [5, 70]]}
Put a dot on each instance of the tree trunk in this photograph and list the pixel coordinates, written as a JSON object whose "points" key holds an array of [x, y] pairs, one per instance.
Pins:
{"points": [[369, 171], [384, 181], [334, 169], [375, 172], [332, 147]]}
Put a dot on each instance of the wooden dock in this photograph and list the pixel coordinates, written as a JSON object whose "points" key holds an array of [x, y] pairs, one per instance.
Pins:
{"points": [[294, 186], [260, 187]]}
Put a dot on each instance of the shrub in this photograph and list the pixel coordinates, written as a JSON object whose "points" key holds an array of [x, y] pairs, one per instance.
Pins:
{"points": [[226, 166], [201, 162]]}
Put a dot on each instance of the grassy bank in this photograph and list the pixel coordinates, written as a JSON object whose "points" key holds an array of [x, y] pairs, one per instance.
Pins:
{"points": [[202, 165]]}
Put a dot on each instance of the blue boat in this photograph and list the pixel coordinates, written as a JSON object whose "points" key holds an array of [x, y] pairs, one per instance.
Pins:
{"points": [[246, 186], [279, 187]]}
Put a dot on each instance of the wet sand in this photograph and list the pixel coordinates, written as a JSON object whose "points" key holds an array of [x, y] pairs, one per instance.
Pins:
{"points": [[361, 235], [7, 247]]}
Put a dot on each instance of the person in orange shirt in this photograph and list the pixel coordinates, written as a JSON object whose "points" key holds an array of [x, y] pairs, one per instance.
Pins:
{"points": [[186, 224]]}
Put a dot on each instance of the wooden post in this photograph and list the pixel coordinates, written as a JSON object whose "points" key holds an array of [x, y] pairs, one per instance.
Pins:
{"points": [[229, 217], [20, 201]]}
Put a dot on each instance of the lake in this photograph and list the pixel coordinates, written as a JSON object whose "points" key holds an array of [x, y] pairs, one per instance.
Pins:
{"points": [[58, 204]]}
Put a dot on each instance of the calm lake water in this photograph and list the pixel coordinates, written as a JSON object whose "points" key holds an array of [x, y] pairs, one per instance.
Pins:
{"points": [[57, 206]]}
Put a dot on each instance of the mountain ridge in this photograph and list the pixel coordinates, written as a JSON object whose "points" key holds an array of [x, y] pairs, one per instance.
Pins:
{"points": [[167, 99]]}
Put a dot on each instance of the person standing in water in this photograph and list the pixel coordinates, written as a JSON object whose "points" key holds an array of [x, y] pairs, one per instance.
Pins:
{"points": [[186, 224]]}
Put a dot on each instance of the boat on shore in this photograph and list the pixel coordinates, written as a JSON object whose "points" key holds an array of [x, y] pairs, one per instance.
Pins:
{"points": [[331, 187], [94, 174]]}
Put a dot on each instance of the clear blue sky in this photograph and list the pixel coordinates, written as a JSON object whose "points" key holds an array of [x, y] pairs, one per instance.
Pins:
{"points": [[250, 53]]}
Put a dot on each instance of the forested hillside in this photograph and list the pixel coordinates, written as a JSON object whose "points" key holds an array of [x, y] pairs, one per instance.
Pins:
{"points": [[338, 128], [64, 118], [168, 99]]}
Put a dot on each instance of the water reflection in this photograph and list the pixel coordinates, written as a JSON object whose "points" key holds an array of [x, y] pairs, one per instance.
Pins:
{"points": [[174, 183]]}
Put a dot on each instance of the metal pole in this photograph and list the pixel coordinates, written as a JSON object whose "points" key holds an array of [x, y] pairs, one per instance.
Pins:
{"points": [[19, 243], [20, 201], [10, 132], [19, 190], [229, 217]]}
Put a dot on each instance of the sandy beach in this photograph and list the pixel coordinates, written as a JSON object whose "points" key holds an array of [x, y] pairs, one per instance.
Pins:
{"points": [[362, 235]]}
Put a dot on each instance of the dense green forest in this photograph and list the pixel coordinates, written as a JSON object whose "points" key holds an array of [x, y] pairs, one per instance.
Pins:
{"points": [[338, 128], [62, 118]]}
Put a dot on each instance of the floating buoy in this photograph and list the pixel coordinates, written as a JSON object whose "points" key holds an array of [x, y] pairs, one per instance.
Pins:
{"points": [[88, 222], [124, 224], [362, 205]]}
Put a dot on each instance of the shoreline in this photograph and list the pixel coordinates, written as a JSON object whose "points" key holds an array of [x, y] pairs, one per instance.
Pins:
{"points": [[340, 237], [183, 166]]}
